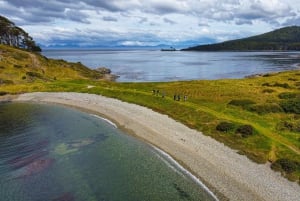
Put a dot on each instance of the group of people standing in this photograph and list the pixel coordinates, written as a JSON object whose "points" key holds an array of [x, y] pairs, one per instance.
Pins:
{"points": [[176, 97]]}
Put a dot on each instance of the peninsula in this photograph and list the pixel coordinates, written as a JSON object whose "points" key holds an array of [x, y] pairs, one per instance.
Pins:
{"points": [[284, 39]]}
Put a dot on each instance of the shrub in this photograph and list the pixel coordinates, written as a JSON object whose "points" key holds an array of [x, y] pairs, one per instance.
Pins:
{"points": [[266, 108], [34, 74], [288, 125], [24, 77], [245, 130], [244, 103], [268, 91], [285, 165], [287, 95], [266, 84], [225, 126], [2, 93], [291, 106], [17, 66], [6, 81], [283, 85]]}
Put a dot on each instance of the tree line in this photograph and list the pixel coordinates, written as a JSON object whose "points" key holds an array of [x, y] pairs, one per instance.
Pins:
{"points": [[14, 36]]}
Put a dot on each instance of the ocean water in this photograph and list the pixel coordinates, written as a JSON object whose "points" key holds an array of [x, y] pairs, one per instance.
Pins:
{"points": [[50, 152], [155, 65]]}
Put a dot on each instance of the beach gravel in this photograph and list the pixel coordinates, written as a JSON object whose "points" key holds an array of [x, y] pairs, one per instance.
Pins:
{"points": [[229, 175]]}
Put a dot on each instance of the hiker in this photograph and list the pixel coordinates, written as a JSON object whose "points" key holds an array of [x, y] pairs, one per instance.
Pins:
{"points": [[163, 94], [157, 92], [174, 96], [153, 91], [185, 98], [178, 97]]}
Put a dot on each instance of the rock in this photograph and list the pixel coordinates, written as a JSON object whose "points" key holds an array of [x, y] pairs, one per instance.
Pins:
{"points": [[103, 70]]}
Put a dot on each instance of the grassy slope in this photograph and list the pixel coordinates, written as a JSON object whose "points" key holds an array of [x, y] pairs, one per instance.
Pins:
{"points": [[206, 107], [21, 67]]}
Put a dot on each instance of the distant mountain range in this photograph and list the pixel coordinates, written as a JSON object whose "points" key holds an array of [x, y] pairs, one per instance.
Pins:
{"points": [[284, 39]]}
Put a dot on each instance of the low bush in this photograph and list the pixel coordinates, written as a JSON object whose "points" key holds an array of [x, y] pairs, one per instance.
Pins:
{"points": [[6, 81], [244, 103], [2, 93], [266, 108], [291, 106], [282, 85], [245, 130], [34, 74], [17, 66], [285, 165], [266, 84], [293, 126], [287, 95], [225, 126], [268, 91]]}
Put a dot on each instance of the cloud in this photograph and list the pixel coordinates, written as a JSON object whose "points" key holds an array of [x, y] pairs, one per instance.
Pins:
{"points": [[109, 19], [168, 21], [132, 21]]}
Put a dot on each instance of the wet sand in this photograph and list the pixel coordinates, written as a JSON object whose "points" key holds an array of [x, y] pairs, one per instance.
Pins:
{"points": [[229, 175]]}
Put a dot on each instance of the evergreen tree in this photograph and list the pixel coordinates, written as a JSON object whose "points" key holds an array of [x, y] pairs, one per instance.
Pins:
{"points": [[14, 36]]}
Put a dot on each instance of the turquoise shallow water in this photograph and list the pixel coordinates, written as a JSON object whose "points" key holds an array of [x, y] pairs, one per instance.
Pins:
{"points": [[50, 152]]}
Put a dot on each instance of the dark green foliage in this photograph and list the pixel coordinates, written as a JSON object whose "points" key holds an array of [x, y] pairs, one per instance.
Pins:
{"points": [[291, 106], [14, 36], [266, 84], [244, 103], [2, 93], [225, 126], [266, 108], [281, 39], [17, 66], [286, 165], [282, 85], [289, 125], [34, 74], [268, 91], [287, 95], [245, 130]]}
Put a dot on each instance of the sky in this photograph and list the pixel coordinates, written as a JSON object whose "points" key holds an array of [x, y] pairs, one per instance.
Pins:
{"points": [[179, 23]]}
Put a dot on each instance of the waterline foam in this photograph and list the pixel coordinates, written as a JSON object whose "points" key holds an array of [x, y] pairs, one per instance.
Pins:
{"points": [[185, 171], [106, 120]]}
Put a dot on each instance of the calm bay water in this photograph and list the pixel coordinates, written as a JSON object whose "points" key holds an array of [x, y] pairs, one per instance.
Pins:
{"points": [[52, 152], [155, 65]]}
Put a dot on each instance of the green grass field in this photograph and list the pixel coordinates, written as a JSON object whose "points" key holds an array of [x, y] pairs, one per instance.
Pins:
{"points": [[262, 114]]}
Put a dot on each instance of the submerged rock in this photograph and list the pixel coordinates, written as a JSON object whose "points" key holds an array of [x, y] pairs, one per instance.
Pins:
{"points": [[35, 167]]}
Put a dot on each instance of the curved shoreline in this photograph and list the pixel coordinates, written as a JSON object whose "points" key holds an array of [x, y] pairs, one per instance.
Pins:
{"points": [[232, 176]]}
